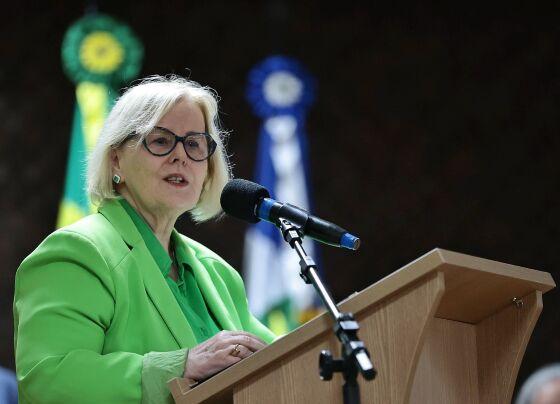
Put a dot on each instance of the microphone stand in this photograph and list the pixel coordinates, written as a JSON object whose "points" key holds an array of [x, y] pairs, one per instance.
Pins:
{"points": [[355, 356]]}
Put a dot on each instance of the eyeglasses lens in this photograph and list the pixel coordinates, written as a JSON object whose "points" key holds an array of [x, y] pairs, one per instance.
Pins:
{"points": [[161, 143], [196, 146]]}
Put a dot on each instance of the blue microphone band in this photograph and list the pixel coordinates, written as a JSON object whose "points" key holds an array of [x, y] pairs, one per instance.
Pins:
{"points": [[349, 241], [263, 209]]}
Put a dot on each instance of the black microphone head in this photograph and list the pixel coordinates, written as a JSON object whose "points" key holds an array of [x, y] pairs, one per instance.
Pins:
{"points": [[240, 197]]}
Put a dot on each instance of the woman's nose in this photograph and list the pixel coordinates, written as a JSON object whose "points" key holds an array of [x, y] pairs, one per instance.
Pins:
{"points": [[179, 153]]}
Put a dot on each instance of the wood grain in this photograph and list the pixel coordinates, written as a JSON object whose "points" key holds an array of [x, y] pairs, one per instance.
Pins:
{"points": [[501, 343], [441, 329], [393, 345], [447, 369]]}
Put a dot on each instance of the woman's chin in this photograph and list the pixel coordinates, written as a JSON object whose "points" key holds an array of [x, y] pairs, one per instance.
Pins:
{"points": [[179, 204]]}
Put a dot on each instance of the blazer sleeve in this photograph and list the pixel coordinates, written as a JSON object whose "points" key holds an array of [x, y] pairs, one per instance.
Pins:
{"points": [[63, 305]]}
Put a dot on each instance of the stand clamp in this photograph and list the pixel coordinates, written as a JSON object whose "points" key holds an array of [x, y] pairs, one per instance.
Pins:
{"points": [[355, 357]]}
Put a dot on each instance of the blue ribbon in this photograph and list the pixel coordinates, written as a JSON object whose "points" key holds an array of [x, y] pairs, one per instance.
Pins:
{"points": [[262, 105]]}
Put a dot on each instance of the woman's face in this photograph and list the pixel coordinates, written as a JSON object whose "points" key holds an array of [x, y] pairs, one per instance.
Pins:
{"points": [[163, 185]]}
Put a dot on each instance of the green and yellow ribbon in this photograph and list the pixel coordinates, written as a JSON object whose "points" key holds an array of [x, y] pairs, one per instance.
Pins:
{"points": [[99, 54]]}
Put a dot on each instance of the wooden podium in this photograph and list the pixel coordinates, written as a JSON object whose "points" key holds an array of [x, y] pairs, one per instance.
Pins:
{"points": [[446, 328]]}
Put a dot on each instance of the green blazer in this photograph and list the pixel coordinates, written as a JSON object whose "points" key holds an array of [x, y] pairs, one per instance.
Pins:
{"points": [[90, 302]]}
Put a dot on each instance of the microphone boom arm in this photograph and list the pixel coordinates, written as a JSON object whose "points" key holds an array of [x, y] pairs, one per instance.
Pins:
{"points": [[355, 356]]}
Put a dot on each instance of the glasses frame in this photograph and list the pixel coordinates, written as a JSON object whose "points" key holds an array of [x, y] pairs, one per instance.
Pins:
{"points": [[181, 139]]}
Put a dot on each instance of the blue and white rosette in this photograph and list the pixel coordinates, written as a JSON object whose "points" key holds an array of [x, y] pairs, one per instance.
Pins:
{"points": [[280, 86], [280, 92]]}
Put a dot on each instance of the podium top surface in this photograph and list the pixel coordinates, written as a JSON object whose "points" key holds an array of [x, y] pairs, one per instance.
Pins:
{"points": [[475, 288]]}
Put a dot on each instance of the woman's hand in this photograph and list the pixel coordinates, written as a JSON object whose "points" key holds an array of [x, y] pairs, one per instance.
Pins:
{"points": [[222, 350]]}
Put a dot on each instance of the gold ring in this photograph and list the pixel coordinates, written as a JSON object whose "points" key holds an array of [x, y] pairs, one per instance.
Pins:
{"points": [[235, 350]]}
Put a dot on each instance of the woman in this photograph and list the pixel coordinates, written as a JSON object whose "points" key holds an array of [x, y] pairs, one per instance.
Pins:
{"points": [[107, 310]]}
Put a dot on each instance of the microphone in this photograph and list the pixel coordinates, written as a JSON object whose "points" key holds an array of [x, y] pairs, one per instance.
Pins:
{"points": [[251, 202]]}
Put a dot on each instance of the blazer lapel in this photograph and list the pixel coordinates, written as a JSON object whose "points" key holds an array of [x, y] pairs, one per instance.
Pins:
{"points": [[154, 283], [215, 292]]}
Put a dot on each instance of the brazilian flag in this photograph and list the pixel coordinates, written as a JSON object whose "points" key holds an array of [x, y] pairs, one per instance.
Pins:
{"points": [[99, 54]]}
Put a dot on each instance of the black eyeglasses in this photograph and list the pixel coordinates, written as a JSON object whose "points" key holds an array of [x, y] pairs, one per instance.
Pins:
{"points": [[199, 146]]}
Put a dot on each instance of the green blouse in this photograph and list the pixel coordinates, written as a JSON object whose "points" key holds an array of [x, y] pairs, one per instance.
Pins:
{"points": [[185, 289]]}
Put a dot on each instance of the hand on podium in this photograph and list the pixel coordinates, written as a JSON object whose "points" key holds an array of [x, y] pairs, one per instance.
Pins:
{"points": [[219, 352]]}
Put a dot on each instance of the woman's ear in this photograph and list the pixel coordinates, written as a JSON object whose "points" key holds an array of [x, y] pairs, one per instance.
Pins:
{"points": [[115, 156], [115, 160]]}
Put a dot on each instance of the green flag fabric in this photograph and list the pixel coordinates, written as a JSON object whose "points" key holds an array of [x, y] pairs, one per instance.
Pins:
{"points": [[99, 54]]}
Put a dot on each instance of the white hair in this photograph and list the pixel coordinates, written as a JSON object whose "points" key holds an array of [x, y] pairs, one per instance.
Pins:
{"points": [[536, 382], [138, 111]]}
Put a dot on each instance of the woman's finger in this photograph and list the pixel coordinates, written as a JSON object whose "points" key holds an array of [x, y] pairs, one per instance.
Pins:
{"points": [[240, 351], [227, 338], [229, 334], [219, 352], [247, 340], [249, 335]]}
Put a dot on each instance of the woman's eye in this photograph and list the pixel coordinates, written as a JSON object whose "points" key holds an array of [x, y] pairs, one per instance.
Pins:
{"points": [[192, 143], [161, 141]]}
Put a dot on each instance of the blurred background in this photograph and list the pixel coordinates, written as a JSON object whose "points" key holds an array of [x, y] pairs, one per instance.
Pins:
{"points": [[433, 126]]}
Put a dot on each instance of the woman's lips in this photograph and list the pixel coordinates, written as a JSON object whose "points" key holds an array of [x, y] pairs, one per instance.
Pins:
{"points": [[176, 180]]}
